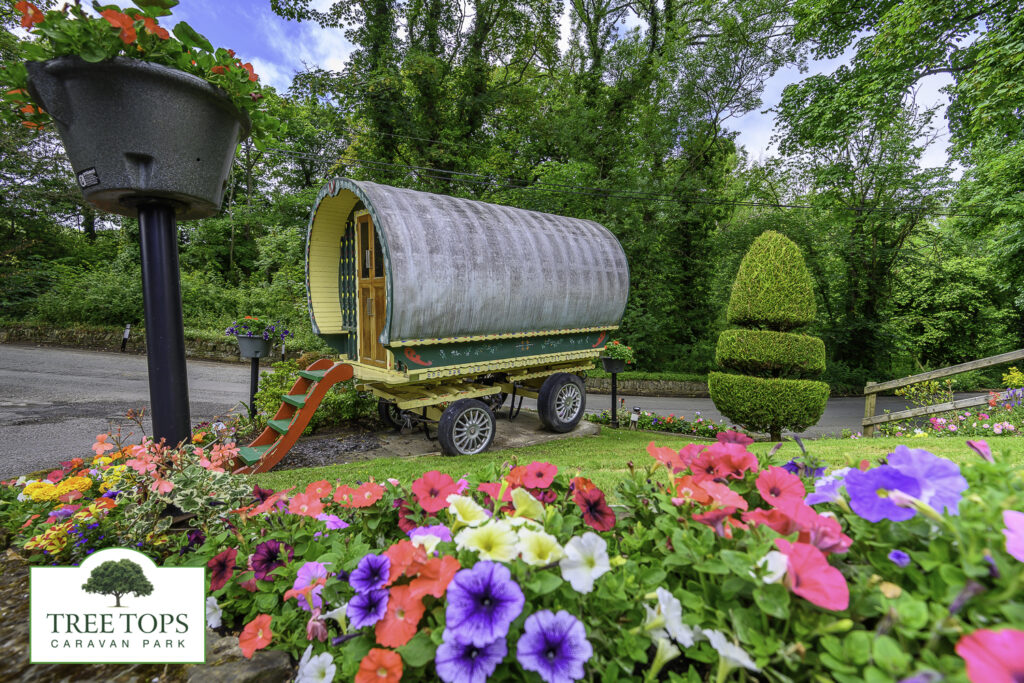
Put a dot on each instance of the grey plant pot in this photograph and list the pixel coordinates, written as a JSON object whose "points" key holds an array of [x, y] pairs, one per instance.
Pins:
{"points": [[254, 347], [615, 365], [136, 130]]}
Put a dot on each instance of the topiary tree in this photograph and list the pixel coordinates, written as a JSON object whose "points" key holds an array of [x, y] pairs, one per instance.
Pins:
{"points": [[117, 578], [768, 382]]}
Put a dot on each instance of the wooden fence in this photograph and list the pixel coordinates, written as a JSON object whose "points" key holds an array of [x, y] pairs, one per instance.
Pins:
{"points": [[872, 390]]}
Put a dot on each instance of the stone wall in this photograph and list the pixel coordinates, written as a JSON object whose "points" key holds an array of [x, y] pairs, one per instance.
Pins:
{"points": [[648, 387]]}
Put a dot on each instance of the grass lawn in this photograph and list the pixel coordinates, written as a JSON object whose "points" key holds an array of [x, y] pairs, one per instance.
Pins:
{"points": [[604, 458]]}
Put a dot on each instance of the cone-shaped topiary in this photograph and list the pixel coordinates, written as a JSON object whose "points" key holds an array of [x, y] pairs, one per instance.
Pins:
{"points": [[772, 294]]}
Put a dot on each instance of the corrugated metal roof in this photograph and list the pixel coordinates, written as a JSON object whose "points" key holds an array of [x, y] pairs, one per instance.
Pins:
{"points": [[458, 267]]}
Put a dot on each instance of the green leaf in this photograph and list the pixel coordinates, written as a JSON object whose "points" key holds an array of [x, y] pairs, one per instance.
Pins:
{"points": [[266, 601], [91, 52], [419, 651], [888, 654], [190, 37], [544, 583], [773, 599]]}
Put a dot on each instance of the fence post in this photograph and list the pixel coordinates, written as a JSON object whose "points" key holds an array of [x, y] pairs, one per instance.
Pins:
{"points": [[869, 408]]}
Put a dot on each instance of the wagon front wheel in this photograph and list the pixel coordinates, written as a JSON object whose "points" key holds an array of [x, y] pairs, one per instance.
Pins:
{"points": [[390, 414], [466, 427], [561, 401]]}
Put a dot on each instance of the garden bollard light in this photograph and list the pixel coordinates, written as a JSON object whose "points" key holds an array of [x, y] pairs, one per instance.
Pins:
{"points": [[124, 338], [634, 419]]}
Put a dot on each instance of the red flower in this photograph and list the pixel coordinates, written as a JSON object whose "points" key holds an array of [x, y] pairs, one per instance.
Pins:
{"points": [[773, 519], [218, 69], [30, 14], [776, 485], [406, 558], [222, 568], [405, 609], [734, 437], [432, 490], [809, 575], [734, 459], [380, 666], [434, 576], [256, 635], [305, 504], [319, 489], [723, 495], [366, 495], [404, 523], [721, 520], [492, 489], [596, 512], [993, 656], [149, 23], [580, 484], [688, 488], [516, 477], [540, 475], [675, 461], [546, 496], [708, 466], [123, 22], [252, 74]]}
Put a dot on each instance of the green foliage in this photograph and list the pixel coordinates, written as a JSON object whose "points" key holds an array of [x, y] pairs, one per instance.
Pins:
{"points": [[92, 297], [118, 578], [341, 403], [772, 288], [618, 350], [768, 405], [767, 353]]}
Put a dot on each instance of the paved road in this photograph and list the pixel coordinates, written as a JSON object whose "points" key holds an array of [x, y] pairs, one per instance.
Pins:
{"points": [[53, 402]]}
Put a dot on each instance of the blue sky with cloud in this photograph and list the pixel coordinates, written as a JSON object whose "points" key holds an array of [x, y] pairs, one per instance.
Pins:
{"points": [[278, 48]]}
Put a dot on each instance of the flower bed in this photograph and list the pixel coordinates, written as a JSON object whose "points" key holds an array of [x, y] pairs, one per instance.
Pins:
{"points": [[709, 565], [659, 423]]}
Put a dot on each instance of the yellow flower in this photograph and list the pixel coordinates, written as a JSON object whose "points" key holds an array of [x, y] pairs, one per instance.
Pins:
{"points": [[70, 484], [41, 491], [493, 541], [53, 540], [466, 510], [526, 505], [539, 548]]}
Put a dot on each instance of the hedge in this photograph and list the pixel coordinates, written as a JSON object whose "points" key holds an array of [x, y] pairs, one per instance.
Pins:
{"points": [[767, 405], [769, 353], [773, 286]]}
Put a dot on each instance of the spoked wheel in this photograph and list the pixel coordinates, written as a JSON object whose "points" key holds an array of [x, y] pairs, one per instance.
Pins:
{"points": [[561, 401], [466, 427], [495, 401], [390, 414]]}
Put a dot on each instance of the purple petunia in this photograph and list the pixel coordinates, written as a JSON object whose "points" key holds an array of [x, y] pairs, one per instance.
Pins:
{"points": [[863, 489], [940, 479], [467, 663], [366, 609], [268, 556], [555, 646], [899, 558], [372, 572], [802, 469], [308, 574], [826, 489], [334, 522], [439, 530], [482, 603]]}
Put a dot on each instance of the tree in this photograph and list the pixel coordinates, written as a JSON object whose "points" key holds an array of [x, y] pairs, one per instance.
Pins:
{"points": [[118, 578], [771, 297]]}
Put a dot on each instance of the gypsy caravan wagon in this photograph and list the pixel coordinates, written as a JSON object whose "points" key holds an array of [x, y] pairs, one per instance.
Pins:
{"points": [[444, 307]]}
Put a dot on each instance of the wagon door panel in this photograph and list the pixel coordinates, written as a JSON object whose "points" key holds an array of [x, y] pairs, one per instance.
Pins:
{"points": [[372, 294]]}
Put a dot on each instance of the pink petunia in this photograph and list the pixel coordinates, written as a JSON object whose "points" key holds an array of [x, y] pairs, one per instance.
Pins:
{"points": [[809, 575], [993, 656], [776, 485], [432, 490], [1014, 533], [539, 475]]}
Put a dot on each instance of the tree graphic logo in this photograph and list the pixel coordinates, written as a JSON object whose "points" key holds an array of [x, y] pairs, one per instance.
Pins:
{"points": [[118, 578]]}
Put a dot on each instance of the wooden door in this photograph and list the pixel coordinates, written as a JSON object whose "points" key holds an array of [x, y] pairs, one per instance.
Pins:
{"points": [[372, 293]]}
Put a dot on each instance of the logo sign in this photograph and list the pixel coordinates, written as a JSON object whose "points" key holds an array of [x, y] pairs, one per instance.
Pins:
{"points": [[88, 178], [118, 606]]}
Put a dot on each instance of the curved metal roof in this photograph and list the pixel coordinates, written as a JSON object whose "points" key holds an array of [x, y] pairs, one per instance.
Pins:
{"points": [[458, 267]]}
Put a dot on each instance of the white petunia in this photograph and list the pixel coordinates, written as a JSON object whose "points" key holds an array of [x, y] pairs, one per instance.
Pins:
{"points": [[466, 510], [427, 541], [734, 654], [586, 558], [653, 622], [338, 613], [672, 610], [315, 669], [526, 505], [494, 541], [213, 613], [539, 548], [773, 566]]}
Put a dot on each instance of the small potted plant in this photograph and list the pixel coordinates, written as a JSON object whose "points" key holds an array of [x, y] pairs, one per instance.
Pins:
{"points": [[255, 338], [144, 113], [617, 356]]}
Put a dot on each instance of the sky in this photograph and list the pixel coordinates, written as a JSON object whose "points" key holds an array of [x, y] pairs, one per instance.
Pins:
{"points": [[279, 48]]}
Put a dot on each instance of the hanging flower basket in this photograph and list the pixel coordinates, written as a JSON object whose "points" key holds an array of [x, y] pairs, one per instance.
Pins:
{"points": [[613, 365], [254, 347], [136, 130]]}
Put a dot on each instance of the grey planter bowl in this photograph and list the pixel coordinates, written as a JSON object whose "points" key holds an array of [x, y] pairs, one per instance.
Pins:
{"points": [[135, 130], [613, 364], [254, 347]]}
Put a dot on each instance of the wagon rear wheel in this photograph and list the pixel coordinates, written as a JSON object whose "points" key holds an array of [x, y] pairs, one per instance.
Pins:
{"points": [[390, 414], [561, 401], [466, 427]]}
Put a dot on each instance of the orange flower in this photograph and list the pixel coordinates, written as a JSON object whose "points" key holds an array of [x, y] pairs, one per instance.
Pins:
{"points": [[405, 609], [364, 496], [515, 477], [406, 558], [723, 495], [30, 14], [123, 22], [380, 666], [252, 74], [319, 489], [256, 635], [105, 503], [434, 576], [149, 23], [219, 70], [582, 484], [101, 446], [305, 504], [689, 489]]}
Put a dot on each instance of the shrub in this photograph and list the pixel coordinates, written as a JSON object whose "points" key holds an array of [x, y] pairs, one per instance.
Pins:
{"points": [[341, 403], [773, 286], [766, 403], [772, 289], [772, 354], [92, 297]]}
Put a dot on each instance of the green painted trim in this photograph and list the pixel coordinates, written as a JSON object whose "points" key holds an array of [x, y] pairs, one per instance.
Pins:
{"points": [[496, 337], [485, 351]]}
